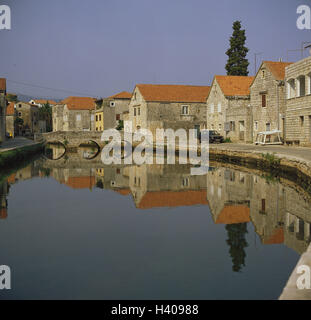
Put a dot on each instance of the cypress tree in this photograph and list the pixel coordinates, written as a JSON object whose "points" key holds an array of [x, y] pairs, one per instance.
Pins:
{"points": [[237, 64]]}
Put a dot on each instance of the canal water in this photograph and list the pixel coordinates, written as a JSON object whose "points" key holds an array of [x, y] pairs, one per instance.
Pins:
{"points": [[72, 228]]}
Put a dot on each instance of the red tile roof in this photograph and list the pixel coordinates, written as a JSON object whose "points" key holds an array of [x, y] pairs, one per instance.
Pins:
{"points": [[172, 199], [44, 101], [173, 93], [122, 95], [277, 68], [79, 103], [232, 214], [2, 84], [235, 85], [10, 109]]}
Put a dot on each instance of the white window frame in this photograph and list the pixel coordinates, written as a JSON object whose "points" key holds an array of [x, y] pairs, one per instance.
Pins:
{"points": [[78, 117], [219, 107], [182, 110], [212, 108]]}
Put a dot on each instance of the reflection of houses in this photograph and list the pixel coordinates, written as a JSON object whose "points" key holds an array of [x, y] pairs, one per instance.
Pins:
{"points": [[3, 200], [166, 186], [3, 105], [114, 178], [228, 107], [298, 103], [74, 114], [168, 106], [280, 214], [228, 194]]}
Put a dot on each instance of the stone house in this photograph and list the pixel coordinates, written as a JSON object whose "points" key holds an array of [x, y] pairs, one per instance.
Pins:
{"points": [[168, 106], [228, 107], [104, 115], [3, 105], [74, 114], [120, 102], [10, 119], [298, 102], [268, 98], [30, 116]]}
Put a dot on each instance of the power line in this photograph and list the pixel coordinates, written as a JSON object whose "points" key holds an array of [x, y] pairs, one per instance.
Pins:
{"points": [[53, 89]]}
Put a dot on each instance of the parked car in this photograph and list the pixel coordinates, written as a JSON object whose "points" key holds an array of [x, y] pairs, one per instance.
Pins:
{"points": [[214, 136]]}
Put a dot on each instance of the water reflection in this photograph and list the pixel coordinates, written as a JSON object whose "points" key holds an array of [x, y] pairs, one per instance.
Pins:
{"points": [[279, 210]]}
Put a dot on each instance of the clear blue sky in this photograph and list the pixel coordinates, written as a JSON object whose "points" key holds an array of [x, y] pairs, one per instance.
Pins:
{"points": [[102, 47]]}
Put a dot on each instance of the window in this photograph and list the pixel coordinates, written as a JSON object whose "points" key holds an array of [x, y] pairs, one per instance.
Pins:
{"points": [[232, 126], [291, 88], [212, 108], [301, 88], [185, 182], [263, 74], [302, 120], [112, 104], [219, 107], [100, 117], [263, 205], [219, 127], [268, 126], [134, 112], [263, 100], [256, 125], [19, 105], [19, 114], [118, 116], [78, 117], [96, 117], [185, 110], [138, 111]]}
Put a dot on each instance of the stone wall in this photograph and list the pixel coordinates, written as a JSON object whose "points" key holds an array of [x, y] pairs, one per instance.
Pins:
{"points": [[298, 108], [274, 112], [2, 116]]}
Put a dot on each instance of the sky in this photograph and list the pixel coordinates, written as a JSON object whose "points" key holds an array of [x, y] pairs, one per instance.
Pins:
{"points": [[101, 47]]}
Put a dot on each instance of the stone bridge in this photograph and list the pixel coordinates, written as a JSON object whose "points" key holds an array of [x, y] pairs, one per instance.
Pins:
{"points": [[72, 139]]}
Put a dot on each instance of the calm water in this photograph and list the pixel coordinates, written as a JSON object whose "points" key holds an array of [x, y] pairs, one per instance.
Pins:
{"points": [[74, 229]]}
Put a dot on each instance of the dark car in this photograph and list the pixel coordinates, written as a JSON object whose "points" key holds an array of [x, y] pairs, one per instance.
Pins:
{"points": [[214, 136]]}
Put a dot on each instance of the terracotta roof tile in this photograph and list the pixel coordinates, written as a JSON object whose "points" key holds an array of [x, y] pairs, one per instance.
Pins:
{"points": [[43, 101], [235, 85], [173, 199], [276, 238], [173, 93], [2, 84], [123, 192], [10, 109], [122, 95], [277, 68], [79, 103], [232, 214]]}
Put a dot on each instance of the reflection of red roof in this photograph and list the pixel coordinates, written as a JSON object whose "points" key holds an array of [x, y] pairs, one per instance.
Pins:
{"points": [[276, 238], [3, 213], [234, 214], [81, 182], [172, 199], [123, 192], [11, 178]]}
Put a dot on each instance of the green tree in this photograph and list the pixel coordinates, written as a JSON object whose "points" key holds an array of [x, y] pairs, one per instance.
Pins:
{"points": [[237, 64], [45, 113], [11, 97], [237, 243]]}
